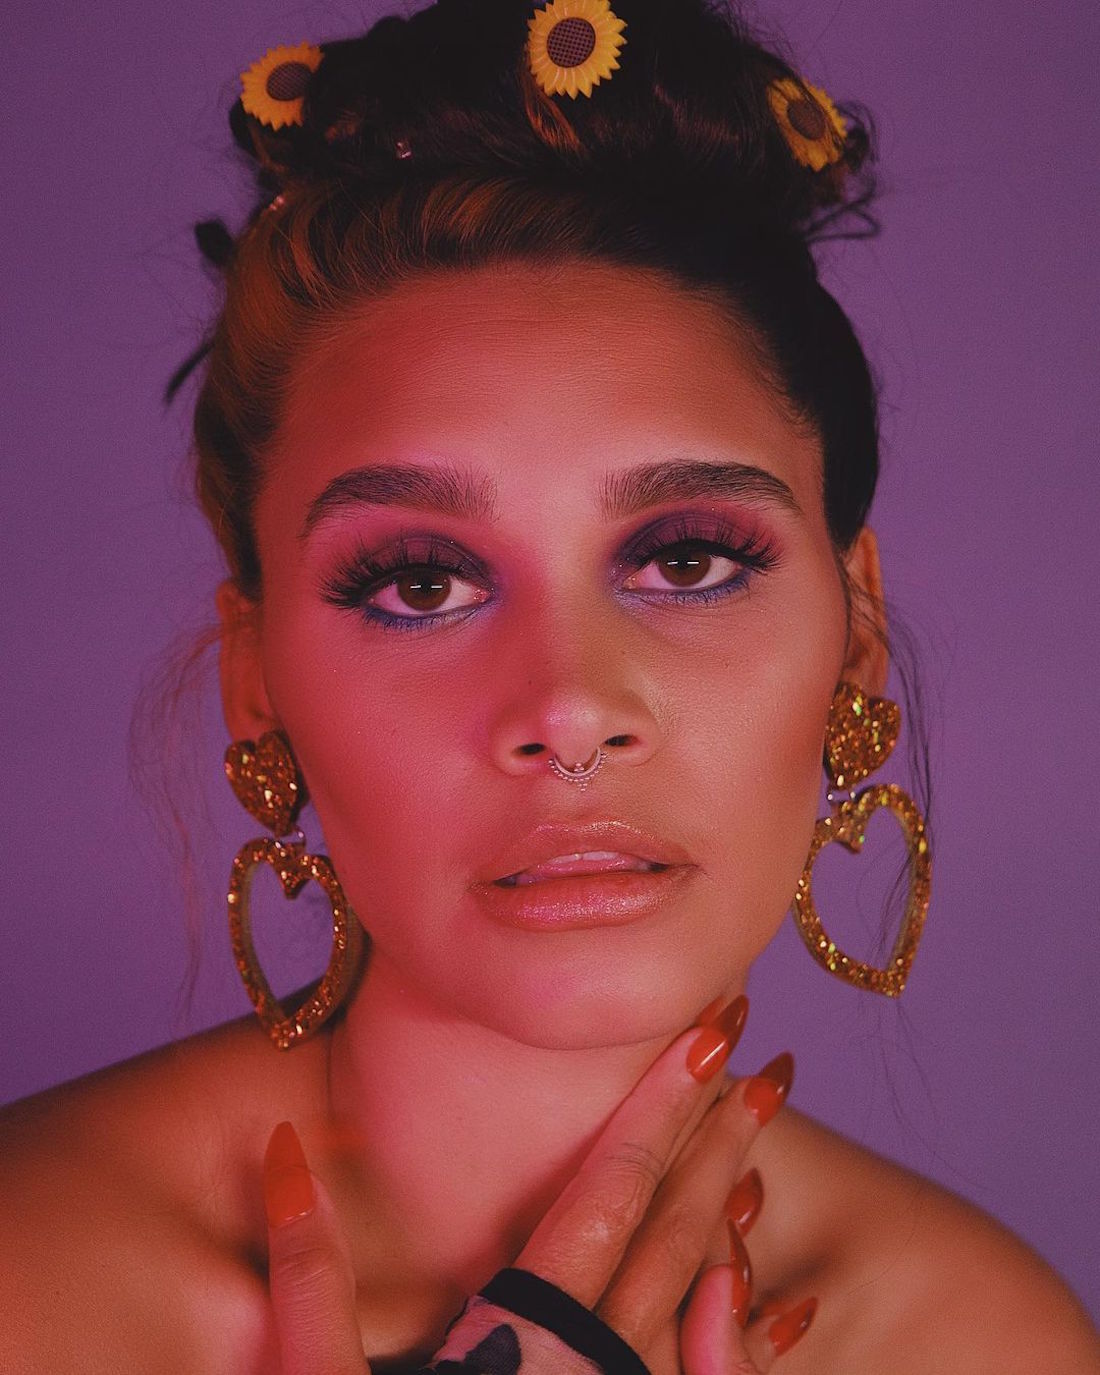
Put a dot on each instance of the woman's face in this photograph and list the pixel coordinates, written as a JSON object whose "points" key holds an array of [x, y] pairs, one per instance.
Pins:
{"points": [[633, 548]]}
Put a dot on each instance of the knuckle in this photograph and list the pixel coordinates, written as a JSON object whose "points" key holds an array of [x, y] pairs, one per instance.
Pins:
{"points": [[635, 1158], [626, 1184], [301, 1268], [683, 1242], [652, 1284]]}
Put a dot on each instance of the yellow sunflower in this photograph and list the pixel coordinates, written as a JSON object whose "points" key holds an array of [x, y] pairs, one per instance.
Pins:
{"points": [[273, 89], [573, 44], [813, 128]]}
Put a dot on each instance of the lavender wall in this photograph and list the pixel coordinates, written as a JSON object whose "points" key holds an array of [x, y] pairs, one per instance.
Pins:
{"points": [[976, 304]]}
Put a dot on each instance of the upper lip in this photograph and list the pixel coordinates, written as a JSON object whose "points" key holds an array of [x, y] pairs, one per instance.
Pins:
{"points": [[551, 839]]}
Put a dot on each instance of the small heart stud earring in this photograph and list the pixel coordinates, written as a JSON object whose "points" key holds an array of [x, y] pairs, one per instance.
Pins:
{"points": [[861, 732]]}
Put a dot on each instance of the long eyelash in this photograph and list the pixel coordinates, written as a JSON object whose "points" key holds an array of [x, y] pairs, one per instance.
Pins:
{"points": [[756, 551], [362, 573]]}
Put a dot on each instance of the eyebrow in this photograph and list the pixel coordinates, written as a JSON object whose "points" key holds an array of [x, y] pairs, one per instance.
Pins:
{"points": [[456, 492]]}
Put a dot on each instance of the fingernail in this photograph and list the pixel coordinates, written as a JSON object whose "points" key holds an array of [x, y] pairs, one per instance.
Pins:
{"points": [[288, 1189], [711, 1048], [742, 1277], [785, 1331], [746, 1200], [708, 1013], [766, 1091]]}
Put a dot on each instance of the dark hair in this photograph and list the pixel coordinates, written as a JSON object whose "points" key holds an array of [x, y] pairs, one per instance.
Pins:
{"points": [[677, 163], [427, 145]]}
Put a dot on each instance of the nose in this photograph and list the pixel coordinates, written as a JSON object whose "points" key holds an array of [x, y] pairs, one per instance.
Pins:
{"points": [[579, 700]]}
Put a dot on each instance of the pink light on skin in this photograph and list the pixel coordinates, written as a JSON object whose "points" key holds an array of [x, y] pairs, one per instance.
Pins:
{"points": [[478, 1058]]}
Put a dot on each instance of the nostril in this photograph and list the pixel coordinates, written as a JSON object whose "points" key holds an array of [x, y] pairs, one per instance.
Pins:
{"points": [[530, 749], [618, 740]]}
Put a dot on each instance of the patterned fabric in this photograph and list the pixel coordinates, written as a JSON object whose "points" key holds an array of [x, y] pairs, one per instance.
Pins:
{"points": [[520, 1324], [496, 1354]]}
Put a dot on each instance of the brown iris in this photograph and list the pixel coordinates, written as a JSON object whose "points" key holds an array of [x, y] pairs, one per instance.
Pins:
{"points": [[685, 569], [423, 591]]}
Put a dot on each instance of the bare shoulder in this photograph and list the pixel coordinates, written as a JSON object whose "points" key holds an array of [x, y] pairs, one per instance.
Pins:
{"points": [[921, 1280], [131, 1212]]}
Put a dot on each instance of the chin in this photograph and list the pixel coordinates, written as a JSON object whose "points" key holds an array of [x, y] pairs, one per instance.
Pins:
{"points": [[579, 1005]]}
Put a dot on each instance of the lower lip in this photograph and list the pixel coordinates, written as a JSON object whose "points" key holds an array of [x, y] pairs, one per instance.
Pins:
{"points": [[562, 904]]}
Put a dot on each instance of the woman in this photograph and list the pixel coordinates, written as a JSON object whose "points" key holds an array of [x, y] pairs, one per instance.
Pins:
{"points": [[541, 463]]}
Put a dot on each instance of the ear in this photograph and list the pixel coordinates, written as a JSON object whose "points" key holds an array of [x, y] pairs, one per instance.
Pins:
{"points": [[867, 660], [245, 703]]}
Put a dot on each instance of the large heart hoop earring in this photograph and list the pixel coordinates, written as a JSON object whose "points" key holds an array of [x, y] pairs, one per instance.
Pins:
{"points": [[267, 783], [861, 732]]}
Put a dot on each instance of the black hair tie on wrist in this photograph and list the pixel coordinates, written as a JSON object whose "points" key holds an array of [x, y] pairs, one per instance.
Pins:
{"points": [[530, 1296]]}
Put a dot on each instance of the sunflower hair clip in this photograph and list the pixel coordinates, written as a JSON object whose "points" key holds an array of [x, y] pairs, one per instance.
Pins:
{"points": [[273, 89], [573, 45], [810, 122]]}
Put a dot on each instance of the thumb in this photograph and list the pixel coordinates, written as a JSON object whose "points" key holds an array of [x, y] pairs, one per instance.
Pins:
{"points": [[310, 1271]]}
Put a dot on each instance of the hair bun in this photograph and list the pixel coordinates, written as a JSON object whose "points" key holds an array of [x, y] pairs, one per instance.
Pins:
{"points": [[696, 107]]}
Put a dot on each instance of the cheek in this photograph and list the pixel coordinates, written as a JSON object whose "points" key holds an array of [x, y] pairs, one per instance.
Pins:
{"points": [[762, 751], [384, 754], [394, 751]]}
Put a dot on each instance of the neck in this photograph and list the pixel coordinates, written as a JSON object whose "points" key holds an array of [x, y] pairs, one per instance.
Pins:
{"points": [[454, 1141]]}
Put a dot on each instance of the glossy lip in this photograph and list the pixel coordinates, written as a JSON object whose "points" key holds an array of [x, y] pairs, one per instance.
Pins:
{"points": [[561, 904], [551, 839]]}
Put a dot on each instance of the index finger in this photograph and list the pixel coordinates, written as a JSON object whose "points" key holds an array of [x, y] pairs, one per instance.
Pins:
{"points": [[310, 1270], [579, 1243]]}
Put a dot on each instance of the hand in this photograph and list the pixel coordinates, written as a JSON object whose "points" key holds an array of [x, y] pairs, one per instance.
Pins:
{"points": [[628, 1237]]}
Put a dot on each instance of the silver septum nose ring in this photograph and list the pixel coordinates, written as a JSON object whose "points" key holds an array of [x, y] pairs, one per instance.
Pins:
{"points": [[579, 773]]}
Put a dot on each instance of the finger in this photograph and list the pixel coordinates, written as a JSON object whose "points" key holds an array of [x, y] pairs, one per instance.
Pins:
{"points": [[672, 1242], [310, 1270], [769, 1338], [710, 1339], [581, 1239], [744, 1203]]}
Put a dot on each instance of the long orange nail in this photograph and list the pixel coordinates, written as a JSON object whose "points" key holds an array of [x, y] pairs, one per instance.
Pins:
{"points": [[767, 1090], [711, 1048], [288, 1188], [742, 1277], [785, 1331], [708, 1013], [746, 1200]]}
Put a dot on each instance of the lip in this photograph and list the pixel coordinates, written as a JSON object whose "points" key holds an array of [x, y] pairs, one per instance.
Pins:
{"points": [[561, 904], [550, 839]]}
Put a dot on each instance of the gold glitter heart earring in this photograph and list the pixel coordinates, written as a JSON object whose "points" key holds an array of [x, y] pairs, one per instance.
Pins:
{"points": [[268, 785], [860, 735]]}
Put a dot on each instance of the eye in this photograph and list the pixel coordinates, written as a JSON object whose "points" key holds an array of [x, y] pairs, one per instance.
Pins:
{"points": [[694, 560], [424, 590], [410, 586], [690, 565], [424, 581]]}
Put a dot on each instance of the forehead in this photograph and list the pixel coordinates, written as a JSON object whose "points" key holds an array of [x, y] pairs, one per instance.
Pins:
{"points": [[529, 372]]}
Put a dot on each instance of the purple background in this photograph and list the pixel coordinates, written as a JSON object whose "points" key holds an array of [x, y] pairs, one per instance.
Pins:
{"points": [[975, 305]]}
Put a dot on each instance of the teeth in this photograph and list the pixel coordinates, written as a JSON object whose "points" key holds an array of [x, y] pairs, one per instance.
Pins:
{"points": [[581, 863], [588, 854]]}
